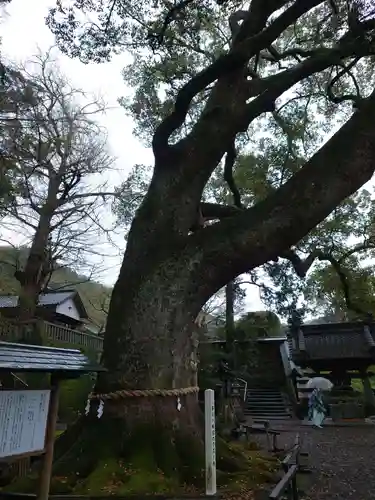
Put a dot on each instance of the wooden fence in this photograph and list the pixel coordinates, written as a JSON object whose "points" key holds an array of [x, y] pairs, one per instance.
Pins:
{"points": [[287, 486], [63, 334], [14, 332]]}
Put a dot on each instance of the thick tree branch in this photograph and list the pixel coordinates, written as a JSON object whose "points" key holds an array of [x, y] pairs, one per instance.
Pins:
{"points": [[301, 266], [281, 82], [237, 58], [237, 115], [212, 211], [259, 234], [272, 55]]}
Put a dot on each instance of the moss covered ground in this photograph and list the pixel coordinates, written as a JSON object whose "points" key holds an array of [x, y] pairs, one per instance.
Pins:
{"points": [[157, 466]]}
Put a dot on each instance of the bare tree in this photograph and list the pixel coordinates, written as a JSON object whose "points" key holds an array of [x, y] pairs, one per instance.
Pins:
{"points": [[60, 153]]}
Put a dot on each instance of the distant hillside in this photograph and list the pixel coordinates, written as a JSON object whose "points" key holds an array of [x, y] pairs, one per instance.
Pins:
{"points": [[94, 295]]}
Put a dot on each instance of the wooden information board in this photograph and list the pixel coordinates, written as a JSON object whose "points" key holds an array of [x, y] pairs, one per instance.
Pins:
{"points": [[23, 421]]}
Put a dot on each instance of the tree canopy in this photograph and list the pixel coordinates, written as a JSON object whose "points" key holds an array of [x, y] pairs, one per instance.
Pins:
{"points": [[312, 59], [171, 46]]}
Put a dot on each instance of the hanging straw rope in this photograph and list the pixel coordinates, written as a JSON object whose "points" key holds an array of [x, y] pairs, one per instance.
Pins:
{"points": [[122, 394]]}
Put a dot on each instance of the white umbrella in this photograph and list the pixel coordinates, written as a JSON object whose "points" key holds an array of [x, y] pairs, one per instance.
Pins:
{"points": [[319, 383]]}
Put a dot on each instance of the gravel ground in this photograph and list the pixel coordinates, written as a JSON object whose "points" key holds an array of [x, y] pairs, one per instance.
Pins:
{"points": [[341, 458]]}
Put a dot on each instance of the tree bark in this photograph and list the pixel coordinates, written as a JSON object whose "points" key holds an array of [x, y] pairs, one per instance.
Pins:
{"points": [[150, 343], [31, 279]]}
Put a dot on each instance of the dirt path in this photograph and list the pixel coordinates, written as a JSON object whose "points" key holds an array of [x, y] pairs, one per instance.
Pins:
{"points": [[342, 459]]}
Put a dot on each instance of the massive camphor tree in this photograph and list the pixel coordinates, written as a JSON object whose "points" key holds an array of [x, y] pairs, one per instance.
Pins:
{"points": [[241, 64]]}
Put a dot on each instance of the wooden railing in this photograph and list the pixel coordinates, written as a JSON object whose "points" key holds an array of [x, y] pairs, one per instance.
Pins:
{"points": [[63, 334], [14, 332], [287, 486]]}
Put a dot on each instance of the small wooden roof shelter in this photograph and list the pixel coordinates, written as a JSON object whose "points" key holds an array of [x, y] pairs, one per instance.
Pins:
{"points": [[66, 363], [35, 411], [349, 346]]}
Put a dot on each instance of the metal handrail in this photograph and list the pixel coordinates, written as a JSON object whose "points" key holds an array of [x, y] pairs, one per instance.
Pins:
{"points": [[245, 390]]}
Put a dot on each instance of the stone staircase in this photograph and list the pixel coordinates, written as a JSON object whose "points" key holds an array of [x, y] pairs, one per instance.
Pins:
{"points": [[267, 403]]}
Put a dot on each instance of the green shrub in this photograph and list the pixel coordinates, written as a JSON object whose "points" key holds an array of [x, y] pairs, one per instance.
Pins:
{"points": [[73, 397]]}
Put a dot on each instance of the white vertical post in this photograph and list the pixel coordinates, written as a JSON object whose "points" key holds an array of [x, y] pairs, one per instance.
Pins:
{"points": [[210, 441]]}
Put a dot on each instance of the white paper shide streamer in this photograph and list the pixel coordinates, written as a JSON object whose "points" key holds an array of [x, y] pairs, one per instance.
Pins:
{"points": [[100, 408]]}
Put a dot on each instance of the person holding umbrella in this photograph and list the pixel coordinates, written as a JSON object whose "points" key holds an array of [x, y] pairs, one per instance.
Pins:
{"points": [[317, 409]]}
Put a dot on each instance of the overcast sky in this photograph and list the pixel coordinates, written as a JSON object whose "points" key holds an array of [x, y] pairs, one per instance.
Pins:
{"points": [[23, 31]]}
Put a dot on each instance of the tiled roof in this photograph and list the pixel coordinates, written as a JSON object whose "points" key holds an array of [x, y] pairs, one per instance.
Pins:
{"points": [[33, 358], [335, 341], [45, 299], [8, 301], [55, 298]]}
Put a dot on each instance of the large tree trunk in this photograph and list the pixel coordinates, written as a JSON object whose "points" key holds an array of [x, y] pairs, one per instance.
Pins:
{"points": [[229, 314], [32, 277], [150, 343]]}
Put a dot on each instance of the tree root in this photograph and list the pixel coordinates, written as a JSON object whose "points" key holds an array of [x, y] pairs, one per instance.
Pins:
{"points": [[108, 458]]}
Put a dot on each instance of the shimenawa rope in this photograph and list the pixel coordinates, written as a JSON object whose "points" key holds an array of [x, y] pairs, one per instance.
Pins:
{"points": [[124, 393]]}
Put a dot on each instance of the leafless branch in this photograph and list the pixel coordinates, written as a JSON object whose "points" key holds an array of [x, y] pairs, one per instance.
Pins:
{"points": [[60, 199]]}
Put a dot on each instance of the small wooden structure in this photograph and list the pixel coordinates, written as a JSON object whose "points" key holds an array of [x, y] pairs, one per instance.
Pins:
{"points": [[333, 346], [28, 417], [63, 307], [345, 350]]}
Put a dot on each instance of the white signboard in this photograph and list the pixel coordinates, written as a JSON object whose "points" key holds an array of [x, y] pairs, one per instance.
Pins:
{"points": [[210, 441], [23, 421]]}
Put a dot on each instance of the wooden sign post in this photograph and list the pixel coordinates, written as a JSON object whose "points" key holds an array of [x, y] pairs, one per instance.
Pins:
{"points": [[28, 417], [27, 428], [45, 475], [210, 441], [23, 421]]}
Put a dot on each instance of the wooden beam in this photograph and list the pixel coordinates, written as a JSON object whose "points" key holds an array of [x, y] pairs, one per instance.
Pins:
{"points": [[45, 476], [284, 483], [369, 339], [301, 341]]}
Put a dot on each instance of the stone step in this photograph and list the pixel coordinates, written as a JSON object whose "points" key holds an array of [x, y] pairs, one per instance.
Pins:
{"points": [[269, 416], [266, 397], [263, 395], [261, 414], [279, 401], [266, 403], [265, 411], [272, 404], [262, 389], [268, 393], [267, 408], [271, 409]]}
